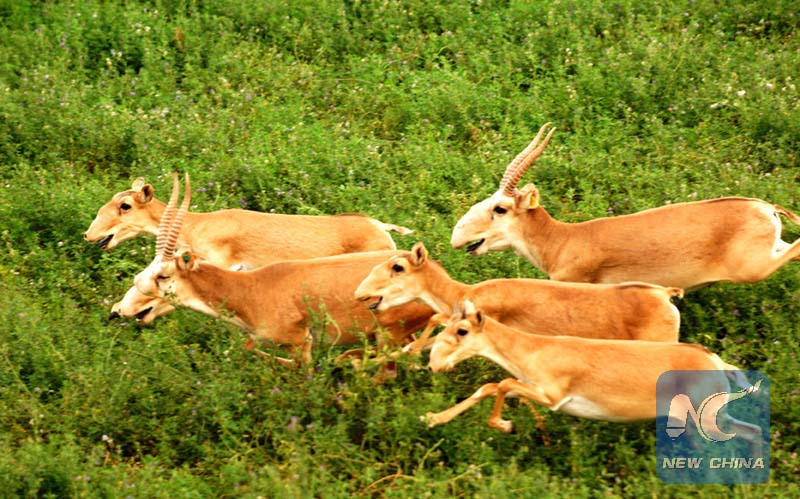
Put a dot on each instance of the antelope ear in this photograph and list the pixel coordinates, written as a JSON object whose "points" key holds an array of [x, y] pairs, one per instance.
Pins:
{"points": [[186, 261], [419, 254], [137, 184], [527, 198], [144, 194], [479, 318]]}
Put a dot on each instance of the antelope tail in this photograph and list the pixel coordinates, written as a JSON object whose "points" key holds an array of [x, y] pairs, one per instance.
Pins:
{"points": [[395, 228]]}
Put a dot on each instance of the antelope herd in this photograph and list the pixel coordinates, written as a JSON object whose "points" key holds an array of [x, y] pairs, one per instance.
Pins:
{"points": [[570, 342]]}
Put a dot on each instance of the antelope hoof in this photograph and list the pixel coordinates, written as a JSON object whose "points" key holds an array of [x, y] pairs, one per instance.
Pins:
{"points": [[431, 419], [503, 425]]}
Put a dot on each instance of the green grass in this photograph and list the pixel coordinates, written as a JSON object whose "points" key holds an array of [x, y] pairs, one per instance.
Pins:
{"points": [[406, 111]]}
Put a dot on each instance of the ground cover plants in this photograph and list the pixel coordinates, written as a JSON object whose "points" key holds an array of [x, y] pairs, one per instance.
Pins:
{"points": [[407, 111]]}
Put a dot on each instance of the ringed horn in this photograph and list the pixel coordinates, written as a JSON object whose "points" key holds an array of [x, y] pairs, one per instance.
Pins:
{"points": [[170, 226], [517, 168]]}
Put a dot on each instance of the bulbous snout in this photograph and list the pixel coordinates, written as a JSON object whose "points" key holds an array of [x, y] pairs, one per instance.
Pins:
{"points": [[457, 239]]}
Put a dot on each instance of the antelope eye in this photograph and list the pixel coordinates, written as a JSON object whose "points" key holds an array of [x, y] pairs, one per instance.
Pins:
{"points": [[397, 268], [162, 277], [462, 332], [499, 210], [124, 207]]}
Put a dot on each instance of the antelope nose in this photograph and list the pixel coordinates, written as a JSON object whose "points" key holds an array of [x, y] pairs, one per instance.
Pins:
{"points": [[85, 237]]}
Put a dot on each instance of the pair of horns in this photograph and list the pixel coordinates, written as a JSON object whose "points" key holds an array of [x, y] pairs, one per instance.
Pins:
{"points": [[517, 168], [171, 221]]}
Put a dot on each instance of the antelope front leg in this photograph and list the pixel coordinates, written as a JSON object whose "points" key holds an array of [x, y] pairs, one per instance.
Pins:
{"points": [[301, 352], [280, 360], [505, 388], [304, 348], [250, 345], [424, 342], [501, 391], [437, 418]]}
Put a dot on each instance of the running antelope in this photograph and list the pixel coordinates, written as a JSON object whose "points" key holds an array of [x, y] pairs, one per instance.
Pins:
{"points": [[607, 380], [685, 245], [277, 302], [235, 239], [240, 238], [619, 311]]}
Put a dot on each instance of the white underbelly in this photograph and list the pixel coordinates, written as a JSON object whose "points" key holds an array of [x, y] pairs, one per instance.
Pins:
{"points": [[584, 408]]}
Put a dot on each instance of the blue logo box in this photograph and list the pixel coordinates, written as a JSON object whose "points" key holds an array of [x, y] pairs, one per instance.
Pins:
{"points": [[712, 427]]}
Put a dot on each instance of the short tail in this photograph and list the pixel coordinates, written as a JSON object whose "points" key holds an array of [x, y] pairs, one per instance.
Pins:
{"points": [[395, 228], [737, 377], [675, 292], [788, 214]]}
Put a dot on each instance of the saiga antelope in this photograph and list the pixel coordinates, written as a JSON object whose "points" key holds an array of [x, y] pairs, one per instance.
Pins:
{"points": [[683, 245], [240, 238], [276, 302], [620, 311], [608, 380]]}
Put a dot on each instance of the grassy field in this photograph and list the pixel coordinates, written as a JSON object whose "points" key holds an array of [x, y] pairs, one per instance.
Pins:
{"points": [[407, 111]]}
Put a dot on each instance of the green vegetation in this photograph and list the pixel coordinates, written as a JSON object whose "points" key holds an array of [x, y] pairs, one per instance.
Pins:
{"points": [[407, 111]]}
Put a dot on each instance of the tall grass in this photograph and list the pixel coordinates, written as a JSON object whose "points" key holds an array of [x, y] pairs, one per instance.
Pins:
{"points": [[407, 111]]}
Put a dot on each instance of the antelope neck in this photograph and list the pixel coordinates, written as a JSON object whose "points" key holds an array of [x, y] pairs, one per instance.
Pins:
{"points": [[542, 238], [218, 290], [508, 347], [441, 292]]}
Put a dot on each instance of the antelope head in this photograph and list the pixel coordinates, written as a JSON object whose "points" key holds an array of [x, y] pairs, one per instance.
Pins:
{"points": [[145, 308], [490, 224], [124, 217], [461, 338], [163, 281], [393, 283], [151, 303]]}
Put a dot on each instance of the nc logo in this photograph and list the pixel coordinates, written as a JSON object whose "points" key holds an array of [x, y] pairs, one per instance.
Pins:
{"points": [[705, 417]]}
